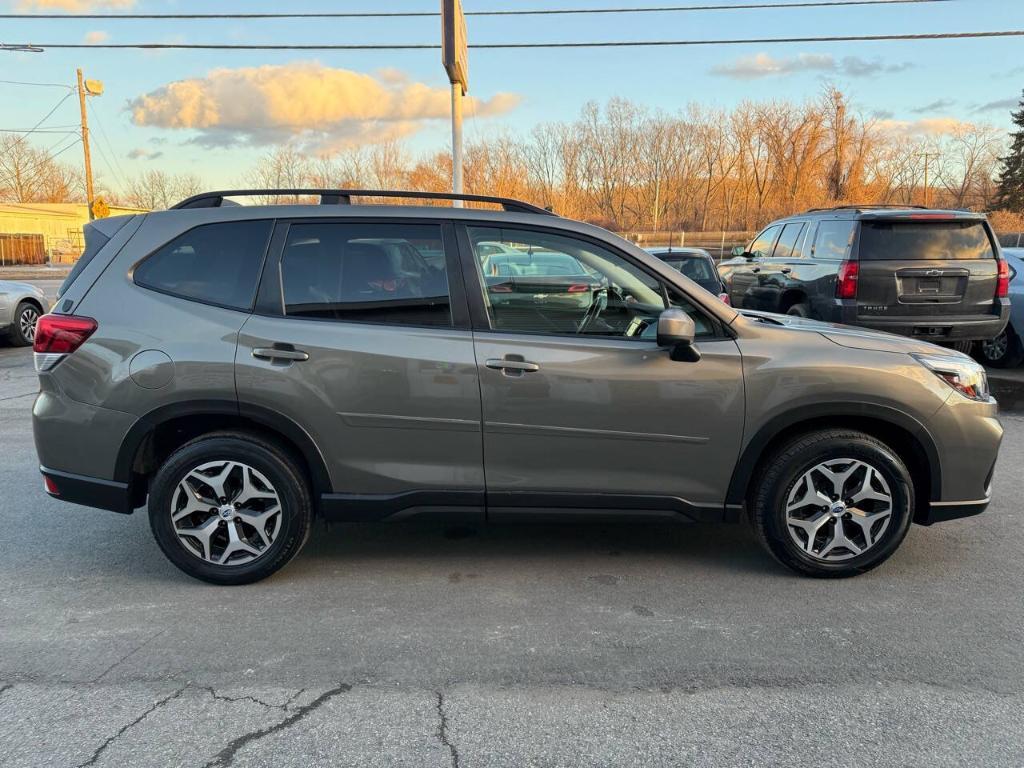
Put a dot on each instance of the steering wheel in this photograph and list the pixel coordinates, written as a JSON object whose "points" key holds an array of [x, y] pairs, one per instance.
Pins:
{"points": [[597, 305]]}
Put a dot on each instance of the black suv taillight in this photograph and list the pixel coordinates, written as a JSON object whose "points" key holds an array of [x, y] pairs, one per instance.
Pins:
{"points": [[1003, 280], [846, 280]]}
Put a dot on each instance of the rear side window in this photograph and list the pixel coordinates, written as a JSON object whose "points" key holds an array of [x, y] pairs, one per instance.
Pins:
{"points": [[833, 239], [784, 249], [369, 273], [924, 240], [214, 263], [94, 242]]}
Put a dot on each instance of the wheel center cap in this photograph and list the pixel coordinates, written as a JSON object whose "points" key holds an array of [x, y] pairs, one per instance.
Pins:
{"points": [[838, 509], [227, 511]]}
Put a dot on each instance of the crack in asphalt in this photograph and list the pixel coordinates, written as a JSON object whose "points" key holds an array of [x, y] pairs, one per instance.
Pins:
{"points": [[103, 747], [4, 689], [227, 755], [442, 730], [253, 699], [128, 655]]}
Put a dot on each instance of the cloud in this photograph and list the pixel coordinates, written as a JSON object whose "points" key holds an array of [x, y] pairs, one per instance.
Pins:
{"points": [[1003, 105], [883, 114], [73, 6], [140, 153], [929, 126], [936, 106], [304, 101], [96, 37], [763, 65]]}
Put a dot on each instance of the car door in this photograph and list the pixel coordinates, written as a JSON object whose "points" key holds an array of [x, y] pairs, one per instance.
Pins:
{"points": [[373, 360], [743, 277], [581, 408], [776, 275]]}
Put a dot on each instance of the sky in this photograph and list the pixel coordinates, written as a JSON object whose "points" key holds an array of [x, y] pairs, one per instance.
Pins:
{"points": [[211, 113]]}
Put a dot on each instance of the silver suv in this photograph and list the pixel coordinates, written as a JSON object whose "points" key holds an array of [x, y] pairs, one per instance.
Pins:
{"points": [[245, 369]]}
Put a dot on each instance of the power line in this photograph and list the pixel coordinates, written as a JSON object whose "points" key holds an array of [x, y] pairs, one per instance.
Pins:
{"points": [[37, 85], [496, 46], [427, 14], [45, 117], [117, 173]]}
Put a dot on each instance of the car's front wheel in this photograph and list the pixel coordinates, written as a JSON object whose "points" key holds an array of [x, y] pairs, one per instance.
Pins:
{"points": [[833, 503], [1004, 351], [230, 508], [23, 330]]}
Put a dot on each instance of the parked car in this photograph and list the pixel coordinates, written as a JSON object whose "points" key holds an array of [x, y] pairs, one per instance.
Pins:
{"points": [[244, 370], [1006, 350], [929, 274], [21, 306], [697, 264]]}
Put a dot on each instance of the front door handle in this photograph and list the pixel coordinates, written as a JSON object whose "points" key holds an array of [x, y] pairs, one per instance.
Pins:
{"points": [[512, 367], [786, 270], [274, 353], [755, 270]]}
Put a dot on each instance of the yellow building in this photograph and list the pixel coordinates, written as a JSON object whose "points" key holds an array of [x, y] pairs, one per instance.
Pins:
{"points": [[37, 233]]}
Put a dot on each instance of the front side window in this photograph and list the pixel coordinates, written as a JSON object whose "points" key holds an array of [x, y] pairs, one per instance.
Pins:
{"points": [[546, 283], [370, 273], [213, 263], [762, 245]]}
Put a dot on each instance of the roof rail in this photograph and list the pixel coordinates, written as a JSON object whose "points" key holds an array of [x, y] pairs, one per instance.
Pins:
{"points": [[344, 197], [867, 206]]}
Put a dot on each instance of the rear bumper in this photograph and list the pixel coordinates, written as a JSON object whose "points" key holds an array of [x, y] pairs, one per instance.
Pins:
{"points": [[935, 329], [88, 491]]}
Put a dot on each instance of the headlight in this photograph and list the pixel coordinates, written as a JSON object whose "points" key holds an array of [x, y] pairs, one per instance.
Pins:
{"points": [[962, 374]]}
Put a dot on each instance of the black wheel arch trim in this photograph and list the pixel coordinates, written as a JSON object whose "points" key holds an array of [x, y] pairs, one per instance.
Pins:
{"points": [[259, 415], [755, 447]]}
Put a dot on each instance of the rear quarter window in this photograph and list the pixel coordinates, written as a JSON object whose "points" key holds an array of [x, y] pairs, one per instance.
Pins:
{"points": [[94, 242], [213, 263], [925, 240]]}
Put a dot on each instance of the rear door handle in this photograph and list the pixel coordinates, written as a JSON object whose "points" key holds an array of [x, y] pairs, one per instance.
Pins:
{"points": [[786, 270], [273, 353], [516, 366], [755, 270]]}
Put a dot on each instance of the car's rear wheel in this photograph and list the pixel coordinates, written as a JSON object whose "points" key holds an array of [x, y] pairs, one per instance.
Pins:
{"points": [[26, 317], [799, 310], [230, 508], [1004, 351], [833, 503]]}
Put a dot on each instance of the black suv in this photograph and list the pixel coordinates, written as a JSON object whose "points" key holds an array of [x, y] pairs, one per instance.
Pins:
{"points": [[932, 274]]}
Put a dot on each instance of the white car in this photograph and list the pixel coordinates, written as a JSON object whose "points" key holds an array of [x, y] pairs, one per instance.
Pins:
{"points": [[21, 306]]}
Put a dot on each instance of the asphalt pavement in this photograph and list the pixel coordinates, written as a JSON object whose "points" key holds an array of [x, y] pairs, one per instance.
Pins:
{"points": [[529, 645]]}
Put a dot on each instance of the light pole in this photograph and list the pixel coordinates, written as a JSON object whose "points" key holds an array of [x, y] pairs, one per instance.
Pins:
{"points": [[455, 57], [87, 88]]}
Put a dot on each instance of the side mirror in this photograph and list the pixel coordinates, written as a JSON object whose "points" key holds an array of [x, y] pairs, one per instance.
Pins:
{"points": [[676, 330], [738, 251]]}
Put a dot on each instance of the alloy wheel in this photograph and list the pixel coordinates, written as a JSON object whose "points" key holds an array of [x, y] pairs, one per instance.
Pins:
{"points": [[27, 323], [226, 513], [838, 509], [996, 348]]}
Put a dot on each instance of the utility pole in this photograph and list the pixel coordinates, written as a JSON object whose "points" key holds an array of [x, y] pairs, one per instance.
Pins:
{"points": [[455, 59], [927, 157], [89, 193]]}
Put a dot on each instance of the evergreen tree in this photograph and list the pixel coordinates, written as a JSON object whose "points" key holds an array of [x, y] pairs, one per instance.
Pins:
{"points": [[1011, 178]]}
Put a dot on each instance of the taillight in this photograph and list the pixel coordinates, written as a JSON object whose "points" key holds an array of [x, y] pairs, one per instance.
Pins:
{"points": [[50, 486], [60, 335], [578, 288], [1003, 280], [846, 280]]}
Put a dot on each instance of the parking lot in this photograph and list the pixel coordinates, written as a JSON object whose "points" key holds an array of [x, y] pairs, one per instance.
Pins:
{"points": [[523, 645]]}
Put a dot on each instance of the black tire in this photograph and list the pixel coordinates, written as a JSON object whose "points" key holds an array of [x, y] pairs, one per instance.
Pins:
{"points": [[799, 310], [25, 314], [267, 458], [784, 469], [1004, 351]]}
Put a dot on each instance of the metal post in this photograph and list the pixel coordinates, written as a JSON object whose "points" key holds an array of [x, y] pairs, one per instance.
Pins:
{"points": [[457, 141], [89, 195]]}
